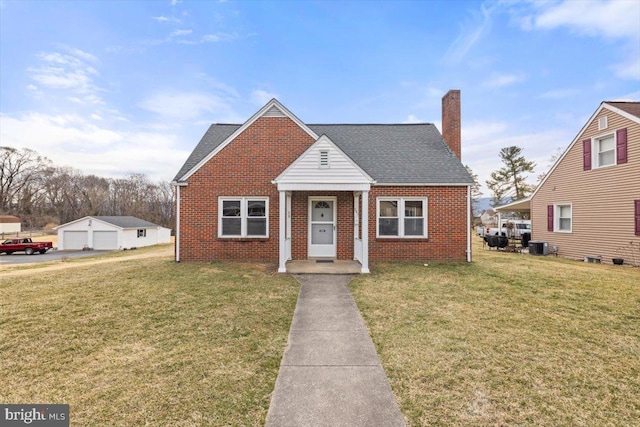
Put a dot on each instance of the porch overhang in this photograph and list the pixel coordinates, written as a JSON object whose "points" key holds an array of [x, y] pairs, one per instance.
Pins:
{"points": [[361, 213], [322, 186]]}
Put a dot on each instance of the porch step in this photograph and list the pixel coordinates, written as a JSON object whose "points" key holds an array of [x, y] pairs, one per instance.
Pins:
{"points": [[323, 266]]}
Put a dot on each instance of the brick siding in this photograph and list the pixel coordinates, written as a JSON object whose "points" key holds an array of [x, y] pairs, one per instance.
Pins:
{"points": [[258, 155]]}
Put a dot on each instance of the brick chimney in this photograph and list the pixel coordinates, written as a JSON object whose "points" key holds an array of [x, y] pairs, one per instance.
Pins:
{"points": [[451, 121]]}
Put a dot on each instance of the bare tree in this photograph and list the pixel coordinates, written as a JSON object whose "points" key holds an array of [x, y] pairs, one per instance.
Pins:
{"points": [[40, 193], [20, 173]]}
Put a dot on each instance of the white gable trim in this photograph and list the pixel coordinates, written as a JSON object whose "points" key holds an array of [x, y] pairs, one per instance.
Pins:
{"points": [[578, 137], [356, 174], [266, 111]]}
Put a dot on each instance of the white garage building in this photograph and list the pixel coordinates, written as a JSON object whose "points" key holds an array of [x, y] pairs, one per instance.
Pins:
{"points": [[110, 233]]}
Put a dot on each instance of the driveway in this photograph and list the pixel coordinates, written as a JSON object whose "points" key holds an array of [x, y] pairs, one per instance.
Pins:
{"points": [[8, 270], [19, 258]]}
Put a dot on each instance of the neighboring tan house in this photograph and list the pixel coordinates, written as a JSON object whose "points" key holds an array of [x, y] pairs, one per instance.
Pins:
{"points": [[10, 224], [489, 217], [110, 233], [277, 189], [588, 205]]}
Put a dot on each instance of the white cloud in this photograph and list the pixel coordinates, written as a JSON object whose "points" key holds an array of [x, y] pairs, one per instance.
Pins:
{"points": [[612, 19], [70, 140], [68, 71], [558, 93], [212, 38], [179, 33], [470, 34], [189, 106], [502, 80], [482, 141], [160, 18], [629, 69], [412, 118], [260, 97]]}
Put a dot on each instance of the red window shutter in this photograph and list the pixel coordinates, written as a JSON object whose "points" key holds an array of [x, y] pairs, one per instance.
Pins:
{"points": [[550, 218], [621, 146], [586, 154], [637, 217]]}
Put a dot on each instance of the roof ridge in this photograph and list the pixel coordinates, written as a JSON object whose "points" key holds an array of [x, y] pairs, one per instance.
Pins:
{"points": [[344, 124], [369, 124]]}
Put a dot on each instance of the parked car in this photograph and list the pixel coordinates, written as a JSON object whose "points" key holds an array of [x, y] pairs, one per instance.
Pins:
{"points": [[512, 228], [25, 245]]}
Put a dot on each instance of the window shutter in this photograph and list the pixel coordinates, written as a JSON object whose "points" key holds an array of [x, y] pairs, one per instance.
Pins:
{"points": [[621, 146], [550, 218], [586, 154], [637, 217]]}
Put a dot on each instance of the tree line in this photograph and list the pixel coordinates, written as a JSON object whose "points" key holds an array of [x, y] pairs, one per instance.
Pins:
{"points": [[41, 193]]}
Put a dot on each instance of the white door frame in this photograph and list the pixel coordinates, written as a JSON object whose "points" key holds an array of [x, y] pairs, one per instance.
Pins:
{"points": [[319, 252]]}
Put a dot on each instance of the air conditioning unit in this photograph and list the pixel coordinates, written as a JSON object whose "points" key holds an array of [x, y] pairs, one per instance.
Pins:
{"points": [[538, 248]]}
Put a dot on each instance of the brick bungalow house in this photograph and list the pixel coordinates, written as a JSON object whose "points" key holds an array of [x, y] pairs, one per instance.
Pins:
{"points": [[277, 189]]}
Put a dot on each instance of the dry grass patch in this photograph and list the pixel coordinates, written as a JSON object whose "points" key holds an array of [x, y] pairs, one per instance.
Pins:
{"points": [[508, 340], [147, 342]]}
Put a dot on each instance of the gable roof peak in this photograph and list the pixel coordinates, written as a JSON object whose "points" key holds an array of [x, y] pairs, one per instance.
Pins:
{"points": [[266, 111]]}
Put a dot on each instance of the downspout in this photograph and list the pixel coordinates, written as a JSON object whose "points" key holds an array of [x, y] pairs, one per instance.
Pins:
{"points": [[177, 223], [469, 223]]}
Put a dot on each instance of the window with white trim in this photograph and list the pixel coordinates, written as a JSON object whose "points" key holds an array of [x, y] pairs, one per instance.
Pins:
{"points": [[243, 217], [563, 218], [604, 151], [404, 217], [142, 232]]}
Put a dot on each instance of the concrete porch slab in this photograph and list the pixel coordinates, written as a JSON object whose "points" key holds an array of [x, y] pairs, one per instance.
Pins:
{"points": [[312, 266]]}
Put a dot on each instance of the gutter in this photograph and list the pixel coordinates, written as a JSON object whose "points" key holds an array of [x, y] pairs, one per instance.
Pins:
{"points": [[178, 222], [469, 223]]}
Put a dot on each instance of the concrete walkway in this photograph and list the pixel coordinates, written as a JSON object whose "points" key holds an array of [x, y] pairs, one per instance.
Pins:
{"points": [[330, 373]]}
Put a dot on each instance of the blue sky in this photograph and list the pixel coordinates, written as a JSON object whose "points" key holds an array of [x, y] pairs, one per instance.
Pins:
{"points": [[113, 88]]}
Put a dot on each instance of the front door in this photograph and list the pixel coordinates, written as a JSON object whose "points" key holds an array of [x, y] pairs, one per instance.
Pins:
{"points": [[322, 227]]}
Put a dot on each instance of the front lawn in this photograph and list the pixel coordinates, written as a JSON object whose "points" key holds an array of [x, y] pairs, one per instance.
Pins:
{"points": [[507, 340], [146, 342]]}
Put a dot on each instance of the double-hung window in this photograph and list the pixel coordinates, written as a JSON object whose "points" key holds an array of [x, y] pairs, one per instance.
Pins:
{"points": [[563, 218], [243, 216], [402, 217], [605, 151]]}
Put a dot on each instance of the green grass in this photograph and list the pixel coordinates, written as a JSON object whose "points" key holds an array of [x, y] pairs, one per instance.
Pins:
{"points": [[508, 340], [146, 342]]}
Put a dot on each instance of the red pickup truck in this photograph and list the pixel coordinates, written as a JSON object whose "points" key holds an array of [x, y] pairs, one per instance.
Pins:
{"points": [[24, 245]]}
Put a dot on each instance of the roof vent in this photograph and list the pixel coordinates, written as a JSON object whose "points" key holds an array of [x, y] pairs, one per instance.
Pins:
{"points": [[324, 159], [273, 112], [602, 123]]}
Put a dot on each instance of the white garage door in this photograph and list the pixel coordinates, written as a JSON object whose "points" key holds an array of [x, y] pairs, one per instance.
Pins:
{"points": [[105, 240], [75, 239]]}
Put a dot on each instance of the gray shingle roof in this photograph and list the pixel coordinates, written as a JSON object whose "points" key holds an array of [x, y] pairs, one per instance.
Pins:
{"points": [[126, 221], [389, 153]]}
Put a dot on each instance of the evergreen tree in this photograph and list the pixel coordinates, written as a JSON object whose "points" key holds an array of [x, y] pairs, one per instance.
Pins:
{"points": [[510, 180]]}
